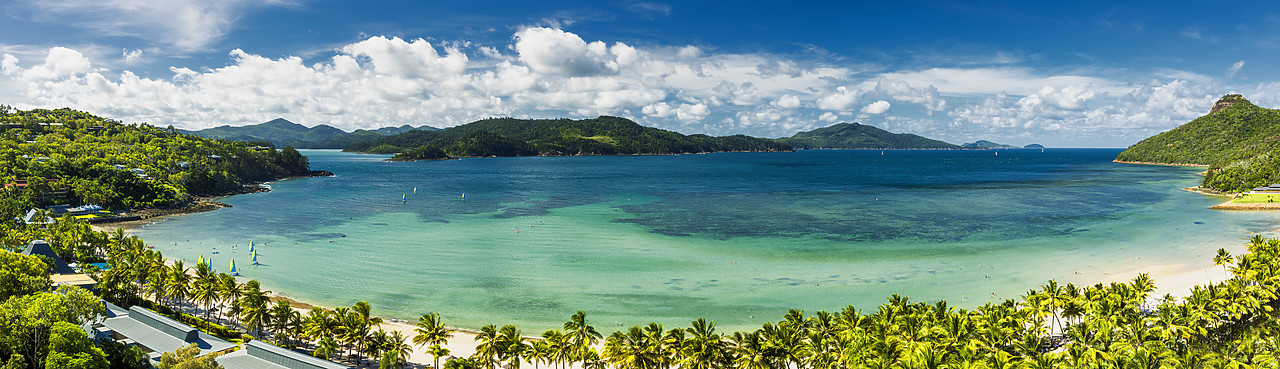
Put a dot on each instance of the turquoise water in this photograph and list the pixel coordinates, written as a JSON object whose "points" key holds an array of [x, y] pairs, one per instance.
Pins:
{"points": [[737, 238]]}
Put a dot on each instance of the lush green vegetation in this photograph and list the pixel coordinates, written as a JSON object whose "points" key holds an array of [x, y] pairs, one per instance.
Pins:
{"points": [[424, 152], [858, 136], [559, 137], [72, 157], [1238, 142]]}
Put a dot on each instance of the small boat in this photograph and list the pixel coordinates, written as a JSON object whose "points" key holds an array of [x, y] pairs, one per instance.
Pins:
{"points": [[151, 246], [233, 268], [255, 259]]}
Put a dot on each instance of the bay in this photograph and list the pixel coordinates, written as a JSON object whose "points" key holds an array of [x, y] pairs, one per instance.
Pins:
{"points": [[737, 238]]}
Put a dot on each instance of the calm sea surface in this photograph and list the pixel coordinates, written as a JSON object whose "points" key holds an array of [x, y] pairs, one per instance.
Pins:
{"points": [[737, 238]]}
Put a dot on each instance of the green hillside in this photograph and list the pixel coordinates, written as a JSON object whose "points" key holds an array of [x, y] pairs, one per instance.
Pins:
{"points": [[604, 135], [64, 156], [278, 129], [858, 136], [282, 132], [1237, 140]]}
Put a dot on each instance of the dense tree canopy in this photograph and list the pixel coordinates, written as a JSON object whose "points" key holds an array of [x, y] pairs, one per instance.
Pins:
{"points": [[66, 156], [1238, 142], [560, 137], [21, 275]]}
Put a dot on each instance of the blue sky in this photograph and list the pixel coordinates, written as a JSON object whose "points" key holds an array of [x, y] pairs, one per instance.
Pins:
{"points": [[1077, 74]]}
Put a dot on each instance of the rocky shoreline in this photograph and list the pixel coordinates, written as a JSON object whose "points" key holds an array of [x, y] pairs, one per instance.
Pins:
{"points": [[198, 204], [1255, 206], [1165, 164]]}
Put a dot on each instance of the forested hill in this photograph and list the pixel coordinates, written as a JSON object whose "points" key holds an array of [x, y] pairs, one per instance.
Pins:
{"points": [[282, 132], [63, 156], [604, 135], [1237, 140], [858, 136]]}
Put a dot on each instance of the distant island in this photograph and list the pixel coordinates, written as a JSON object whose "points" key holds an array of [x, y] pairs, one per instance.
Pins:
{"points": [[984, 144], [1033, 146], [281, 132], [859, 136], [605, 135], [1236, 140]]}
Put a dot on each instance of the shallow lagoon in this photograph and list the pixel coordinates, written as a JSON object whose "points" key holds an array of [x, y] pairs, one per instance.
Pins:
{"points": [[737, 238]]}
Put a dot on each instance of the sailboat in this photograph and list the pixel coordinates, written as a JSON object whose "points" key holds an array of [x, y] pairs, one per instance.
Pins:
{"points": [[415, 190], [255, 258], [404, 197], [233, 267], [251, 247]]}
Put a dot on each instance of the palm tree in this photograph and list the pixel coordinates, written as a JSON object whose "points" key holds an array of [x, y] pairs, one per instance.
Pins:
{"points": [[253, 308], [325, 348], [205, 293], [437, 351], [749, 351], [630, 350], [556, 351], [377, 343], [512, 346], [397, 349], [231, 294], [537, 351], [319, 324], [487, 346], [705, 348], [280, 322], [430, 330], [364, 311], [1224, 259], [581, 335], [178, 286]]}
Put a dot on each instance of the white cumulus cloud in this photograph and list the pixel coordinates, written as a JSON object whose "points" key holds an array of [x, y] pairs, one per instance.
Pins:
{"points": [[878, 107]]}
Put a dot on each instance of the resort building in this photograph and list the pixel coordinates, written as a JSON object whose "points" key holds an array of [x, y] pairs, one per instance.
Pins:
{"points": [[59, 271], [1273, 188], [155, 333], [261, 355]]}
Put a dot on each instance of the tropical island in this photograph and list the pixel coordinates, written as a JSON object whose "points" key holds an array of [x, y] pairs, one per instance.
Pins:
{"points": [[1235, 141], [859, 136], [499, 137], [281, 132]]}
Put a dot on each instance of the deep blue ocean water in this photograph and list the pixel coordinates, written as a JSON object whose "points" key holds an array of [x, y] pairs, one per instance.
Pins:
{"points": [[735, 237]]}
